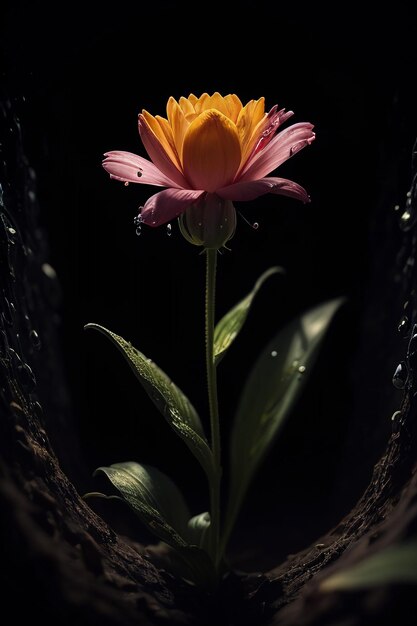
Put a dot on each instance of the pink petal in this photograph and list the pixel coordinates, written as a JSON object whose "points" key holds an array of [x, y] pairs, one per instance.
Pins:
{"points": [[253, 189], [159, 156], [126, 166], [282, 147], [274, 120], [267, 131], [168, 204]]}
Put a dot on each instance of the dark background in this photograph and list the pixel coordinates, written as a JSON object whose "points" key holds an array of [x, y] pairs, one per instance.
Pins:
{"points": [[78, 75]]}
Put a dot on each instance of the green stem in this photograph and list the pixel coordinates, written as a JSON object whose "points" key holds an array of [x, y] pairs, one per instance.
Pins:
{"points": [[211, 264]]}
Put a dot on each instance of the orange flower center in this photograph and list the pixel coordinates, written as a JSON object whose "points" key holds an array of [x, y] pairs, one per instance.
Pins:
{"points": [[209, 138]]}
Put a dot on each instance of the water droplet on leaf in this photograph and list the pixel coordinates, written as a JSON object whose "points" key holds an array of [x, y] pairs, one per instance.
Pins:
{"points": [[274, 353], [34, 337], [8, 312], [404, 326], [400, 376]]}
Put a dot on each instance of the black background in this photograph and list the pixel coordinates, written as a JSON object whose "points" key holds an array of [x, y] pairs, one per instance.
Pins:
{"points": [[79, 74]]}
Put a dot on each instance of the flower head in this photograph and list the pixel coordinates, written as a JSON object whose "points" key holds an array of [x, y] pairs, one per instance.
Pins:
{"points": [[211, 145]]}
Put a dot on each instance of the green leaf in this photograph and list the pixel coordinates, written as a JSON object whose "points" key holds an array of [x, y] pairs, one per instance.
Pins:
{"points": [[154, 497], [198, 530], [273, 386], [396, 564], [167, 397], [160, 505], [231, 324]]}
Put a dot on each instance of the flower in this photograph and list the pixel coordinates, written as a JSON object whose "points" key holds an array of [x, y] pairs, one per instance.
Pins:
{"points": [[210, 146]]}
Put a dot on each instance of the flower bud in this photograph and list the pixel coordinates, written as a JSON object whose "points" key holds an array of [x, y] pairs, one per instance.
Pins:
{"points": [[210, 222]]}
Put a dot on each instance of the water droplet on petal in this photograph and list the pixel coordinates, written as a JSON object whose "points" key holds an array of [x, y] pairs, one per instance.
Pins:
{"points": [[404, 326], [126, 183], [400, 376], [139, 173], [274, 353]]}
